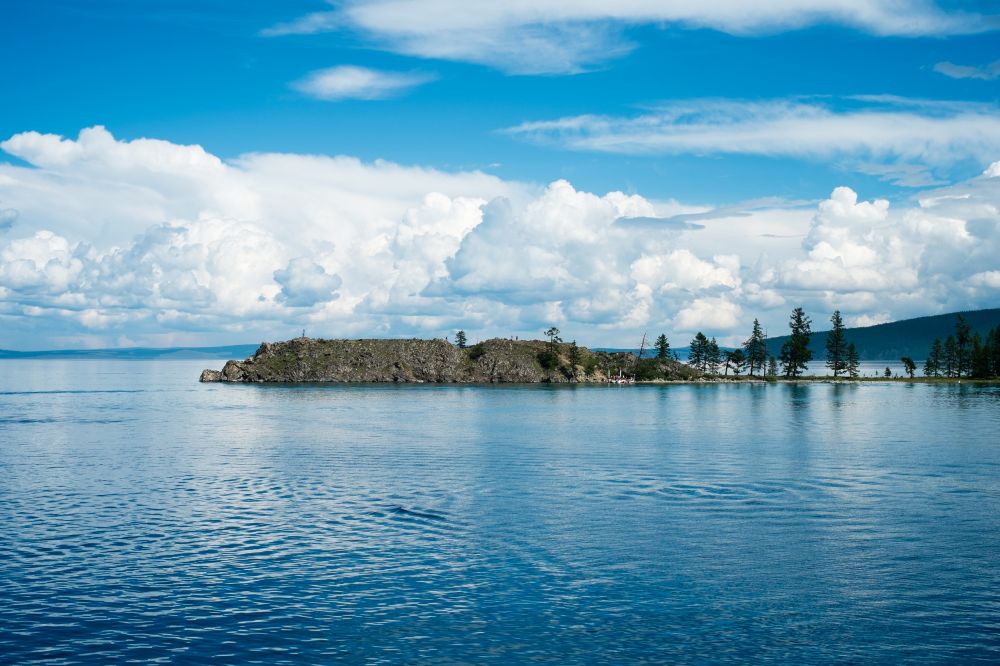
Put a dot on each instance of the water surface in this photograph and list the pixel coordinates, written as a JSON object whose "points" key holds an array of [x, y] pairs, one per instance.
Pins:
{"points": [[144, 516]]}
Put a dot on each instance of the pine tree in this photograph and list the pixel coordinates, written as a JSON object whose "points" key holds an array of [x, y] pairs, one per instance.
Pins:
{"points": [[888, 373], [698, 352], [932, 366], [795, 353], [460, 339], [736, 360], [995, 353], [772, 366], [949, 359], [908, 365], [853, 361], [755, 349], [979, 358], [836, 346], [662, 346], [574, 356], [963, 347], [713, 357]]}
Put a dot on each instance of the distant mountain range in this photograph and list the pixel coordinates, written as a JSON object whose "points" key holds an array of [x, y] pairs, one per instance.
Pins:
{"points": [[882, 342], [140, 353], [907, 337]]}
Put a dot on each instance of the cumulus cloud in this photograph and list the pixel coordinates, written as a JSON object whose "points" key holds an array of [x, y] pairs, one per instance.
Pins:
{"points": [[350, 82], [305, 283], [149, 240], [565, 36], [905, 136], [709, 314], [983, 72]]}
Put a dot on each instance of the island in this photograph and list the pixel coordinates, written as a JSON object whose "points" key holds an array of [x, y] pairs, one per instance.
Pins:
{"points": [[438, 361]]}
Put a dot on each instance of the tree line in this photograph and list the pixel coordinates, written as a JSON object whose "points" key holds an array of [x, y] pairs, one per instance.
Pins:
{"points": [[962, 354], [965, 353], [753, 358]]}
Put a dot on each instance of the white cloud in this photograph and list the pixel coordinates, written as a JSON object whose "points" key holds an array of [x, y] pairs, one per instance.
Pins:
{"points": [[564, 36], [708, 314], [350, 82], [984, 72], [163, 243], [894, 131], [305, 283], [869, 320]]}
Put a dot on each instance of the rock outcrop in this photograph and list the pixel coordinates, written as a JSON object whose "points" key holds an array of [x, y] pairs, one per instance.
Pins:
{"points": [[492, 361]]}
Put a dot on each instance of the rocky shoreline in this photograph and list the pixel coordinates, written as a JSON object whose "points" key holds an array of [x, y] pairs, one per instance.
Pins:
{"points": [[437, 361]]}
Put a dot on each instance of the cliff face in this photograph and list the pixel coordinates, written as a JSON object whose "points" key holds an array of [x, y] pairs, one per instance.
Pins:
{"points": [[492, 361]]}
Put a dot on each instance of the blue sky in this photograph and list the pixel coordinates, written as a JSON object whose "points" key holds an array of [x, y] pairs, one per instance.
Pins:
{"points": [[692, 109]]}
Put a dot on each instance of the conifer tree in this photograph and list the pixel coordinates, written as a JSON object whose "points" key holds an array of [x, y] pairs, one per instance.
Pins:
{"points": [[460, 339], [932, 366], [853, 361], [979, 363], [713, 357], [949, 359], [836, 346], [662, 346], [735, 360], [772, 367], [908, 365], [795, 353], [574, 356], [698, 352], [995, 352], [963, 347], [755, 349]]}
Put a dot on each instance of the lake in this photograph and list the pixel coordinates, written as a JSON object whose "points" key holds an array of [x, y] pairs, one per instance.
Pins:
{"points": [[147, 517]]}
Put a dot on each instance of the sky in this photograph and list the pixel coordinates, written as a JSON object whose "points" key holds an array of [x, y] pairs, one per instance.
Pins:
{"points": [[200, 173]]}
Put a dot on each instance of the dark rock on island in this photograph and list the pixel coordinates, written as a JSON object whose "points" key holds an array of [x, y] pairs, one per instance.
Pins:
{"points": [[492, 361]]}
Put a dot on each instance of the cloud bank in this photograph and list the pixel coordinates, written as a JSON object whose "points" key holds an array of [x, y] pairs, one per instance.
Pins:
{"points": [[902, 140], [164, 244], [567, 36]]}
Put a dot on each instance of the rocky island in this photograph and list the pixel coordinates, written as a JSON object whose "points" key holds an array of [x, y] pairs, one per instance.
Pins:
{"points": [[492, 361]]}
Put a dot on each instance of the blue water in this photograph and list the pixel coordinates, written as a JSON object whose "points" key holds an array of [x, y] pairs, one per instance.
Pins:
{"points": [[145, 517]]}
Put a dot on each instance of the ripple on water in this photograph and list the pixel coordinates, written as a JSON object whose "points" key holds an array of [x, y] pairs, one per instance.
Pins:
{"points": [[169, 521]]}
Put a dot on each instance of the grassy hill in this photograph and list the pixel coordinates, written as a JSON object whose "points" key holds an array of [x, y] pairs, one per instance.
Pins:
{"points": [[908, 337]]}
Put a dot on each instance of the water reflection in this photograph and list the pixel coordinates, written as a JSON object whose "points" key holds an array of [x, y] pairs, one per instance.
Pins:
{"points": [[146, 516]]}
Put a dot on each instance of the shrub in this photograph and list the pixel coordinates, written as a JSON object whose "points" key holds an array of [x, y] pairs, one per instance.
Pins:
{"points": [[548, 359]]}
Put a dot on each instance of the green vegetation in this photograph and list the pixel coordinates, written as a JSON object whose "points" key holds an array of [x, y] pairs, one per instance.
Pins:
{"points": [[795, 352], [662, 347], [755, 349], [836, 346], [907, 337], [965, 354], [704, 354], [853, 361], [548, 359], [735, 361]]}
